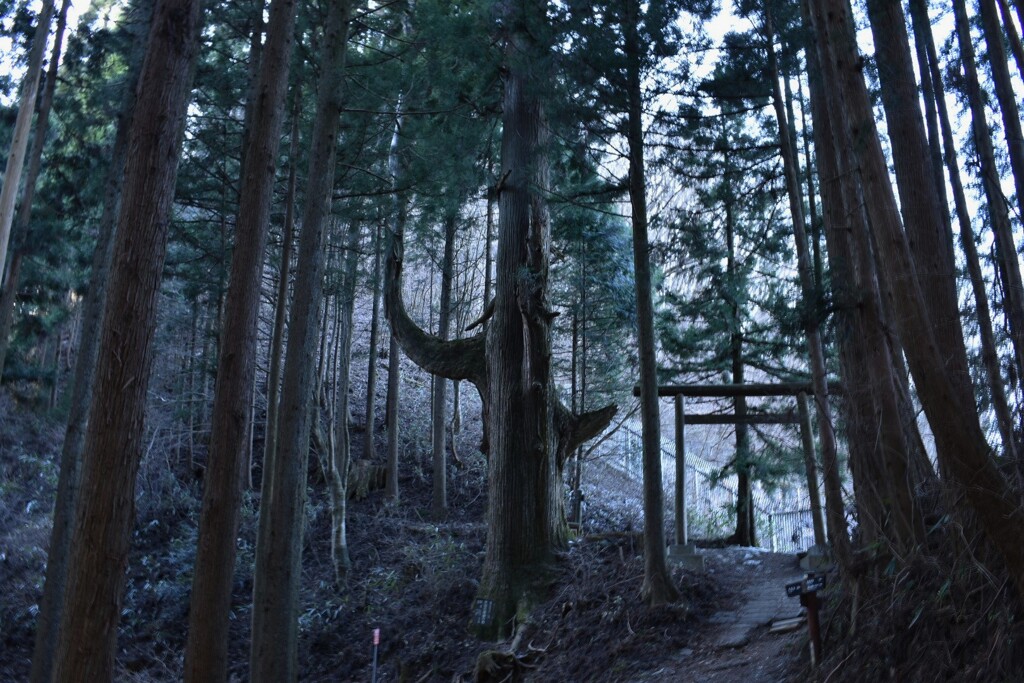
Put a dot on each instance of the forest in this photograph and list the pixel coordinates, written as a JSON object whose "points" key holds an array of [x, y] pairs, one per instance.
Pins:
{"points": [[511, 340]]}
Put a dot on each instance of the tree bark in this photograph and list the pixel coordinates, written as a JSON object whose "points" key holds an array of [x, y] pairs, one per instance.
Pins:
{"points": [[1012, 36], [279, 545], [745, 528], [830, 459], [1004, 94], [281, 308], [206, 652], [962, 450], [22, 127], [369, 450], [22, 221], [931, 246], [113, 442], [394, 352], [439, 398], [989, 353], [529, 434], [1007, 262], [657, 587], [341, 453], [855, 295], [52, 602]]}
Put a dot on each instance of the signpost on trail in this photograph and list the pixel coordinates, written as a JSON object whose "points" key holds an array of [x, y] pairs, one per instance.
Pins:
{"points": [[808, 592]]}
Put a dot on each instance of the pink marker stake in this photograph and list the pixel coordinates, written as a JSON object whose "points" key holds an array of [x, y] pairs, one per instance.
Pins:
{"points": [[376, 642]]}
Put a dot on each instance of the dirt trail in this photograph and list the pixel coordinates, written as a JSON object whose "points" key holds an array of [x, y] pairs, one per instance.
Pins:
{"points": [[736, 647]]}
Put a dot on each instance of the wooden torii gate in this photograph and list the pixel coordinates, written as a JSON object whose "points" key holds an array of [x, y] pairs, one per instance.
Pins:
{"points": [[799, 390]]}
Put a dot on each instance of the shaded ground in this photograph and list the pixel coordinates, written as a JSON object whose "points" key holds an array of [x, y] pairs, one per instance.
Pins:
{"points": [[735, 646], [411, 578]]}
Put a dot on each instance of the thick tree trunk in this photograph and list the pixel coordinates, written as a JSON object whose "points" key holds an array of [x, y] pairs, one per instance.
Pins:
{"points": [[52, 603], [206, 652], [530, 435], [962, 450], [279, 546], [113, 442], [856, 311], [931, 246], [657, 587], [1007, 262], [524, 518], [22, 128], [21, 230], [439, 398], [829, 455], [989, 353]]}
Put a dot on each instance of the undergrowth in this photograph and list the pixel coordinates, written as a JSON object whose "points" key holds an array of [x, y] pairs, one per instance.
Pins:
{"points": [[935, 616]]}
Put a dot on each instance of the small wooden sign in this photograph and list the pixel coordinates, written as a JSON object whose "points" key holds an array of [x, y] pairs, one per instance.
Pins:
{"points": [[815, 582], [483, 611]]}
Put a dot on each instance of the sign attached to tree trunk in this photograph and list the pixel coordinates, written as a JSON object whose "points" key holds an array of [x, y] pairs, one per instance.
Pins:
{"points": [[483, 612]]}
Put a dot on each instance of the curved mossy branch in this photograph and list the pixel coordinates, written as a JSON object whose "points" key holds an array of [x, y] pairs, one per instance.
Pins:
{"points": [[458, 359], [575, 430]]}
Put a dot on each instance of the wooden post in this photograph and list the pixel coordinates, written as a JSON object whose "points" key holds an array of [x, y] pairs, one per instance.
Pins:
{"points": [[681, 531], [812, 471]]}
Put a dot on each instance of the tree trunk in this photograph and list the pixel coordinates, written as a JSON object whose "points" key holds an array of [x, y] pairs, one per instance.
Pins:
{"points": [[113, 442], [745, 528], [931, 246], [1004, 93], [281, 306], [206, 652], [530, 434], [21, 229], [989, 353], [440, 499], [524, 511], [22, 127], [819, 376], [279, 550], [856, 310], [391, 416], [369, 451], [341, 453], [394, 352], [1007, 262], [52, 602], [962, 450], [1012, 36], [657, 587]]}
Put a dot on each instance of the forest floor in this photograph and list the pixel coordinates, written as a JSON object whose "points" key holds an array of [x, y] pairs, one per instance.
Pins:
{"points": [[412, 578]]}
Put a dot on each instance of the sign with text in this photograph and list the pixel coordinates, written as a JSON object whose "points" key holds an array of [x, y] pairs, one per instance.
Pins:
{"points": [[483, 612], [809, 585]]}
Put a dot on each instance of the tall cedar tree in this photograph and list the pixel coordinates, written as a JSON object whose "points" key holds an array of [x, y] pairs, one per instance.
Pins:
{"points": [[22, 129], [963, 453], [52, 602], [206, 653], [528, 433], [657, 586], [113, 444], [274, 655]]}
